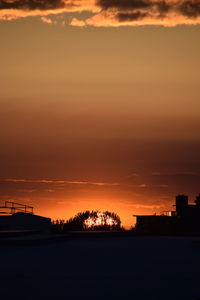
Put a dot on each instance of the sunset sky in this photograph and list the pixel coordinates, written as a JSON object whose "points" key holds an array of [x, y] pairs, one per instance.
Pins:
{"points": [[99, 104]]}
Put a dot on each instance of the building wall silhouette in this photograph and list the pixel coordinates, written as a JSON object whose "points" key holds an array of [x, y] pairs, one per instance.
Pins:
{"points": [[25, 222], [185, 220]]}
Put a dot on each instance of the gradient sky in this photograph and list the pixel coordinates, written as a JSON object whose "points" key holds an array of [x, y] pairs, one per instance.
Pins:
{"points": [[99, 105]]}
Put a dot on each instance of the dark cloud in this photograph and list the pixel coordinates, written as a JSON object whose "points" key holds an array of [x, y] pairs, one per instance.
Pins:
{"points": [[138, 9], [190, 8], [124, 4], [32, 4], [131, 16], [107, 12], [161, 6]]}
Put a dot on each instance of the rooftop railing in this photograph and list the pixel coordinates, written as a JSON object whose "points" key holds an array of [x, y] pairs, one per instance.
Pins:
{"points": [[13, 207]]}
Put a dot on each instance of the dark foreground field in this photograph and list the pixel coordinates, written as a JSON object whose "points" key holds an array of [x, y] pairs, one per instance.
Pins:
{"points": [[164, 268]]}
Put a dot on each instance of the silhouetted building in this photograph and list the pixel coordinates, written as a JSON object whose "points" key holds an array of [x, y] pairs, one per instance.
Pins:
{"points": [[20, 217], [184, 220]]}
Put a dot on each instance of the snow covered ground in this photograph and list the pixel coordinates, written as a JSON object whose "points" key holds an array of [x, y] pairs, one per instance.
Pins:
{"points": [[136, 268]]}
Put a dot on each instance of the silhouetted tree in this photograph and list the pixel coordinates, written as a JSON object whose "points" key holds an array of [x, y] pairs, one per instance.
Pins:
{"points": [[57, 226], [93, 220]]}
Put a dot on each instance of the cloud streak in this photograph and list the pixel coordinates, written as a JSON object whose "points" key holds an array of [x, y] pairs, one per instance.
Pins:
{"points": [[62, 182], [107, 13]]}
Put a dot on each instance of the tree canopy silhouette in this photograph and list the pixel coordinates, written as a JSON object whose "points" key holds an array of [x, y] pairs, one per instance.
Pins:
{"points": [[93, 220]]}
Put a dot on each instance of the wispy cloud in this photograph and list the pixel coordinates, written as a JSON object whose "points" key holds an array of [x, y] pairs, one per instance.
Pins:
{"points": [[144, 185], [63, 182], [132, 175], [144, 206], [48, 20], [178, 173], [108, 13]]}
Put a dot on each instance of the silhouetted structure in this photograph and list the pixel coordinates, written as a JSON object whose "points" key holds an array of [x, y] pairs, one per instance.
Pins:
{"points": [[12, 207], [184, 220], [19, 217]]}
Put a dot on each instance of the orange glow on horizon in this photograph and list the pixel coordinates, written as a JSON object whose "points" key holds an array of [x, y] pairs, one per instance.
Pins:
{"points": [[123, 208]]}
